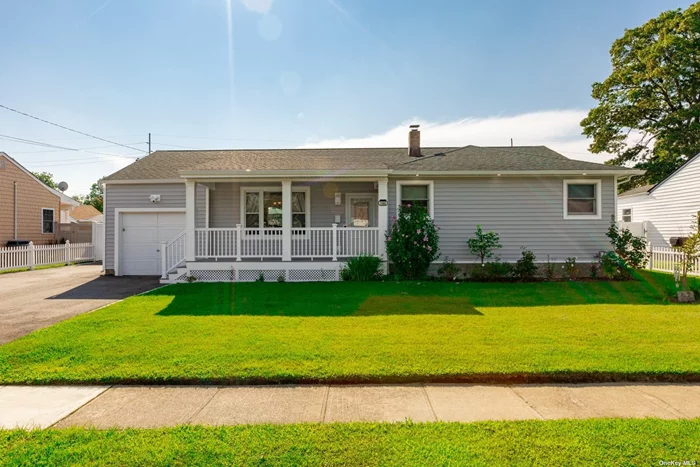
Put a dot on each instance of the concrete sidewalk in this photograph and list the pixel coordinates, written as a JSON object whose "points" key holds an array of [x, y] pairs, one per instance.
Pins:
{"points": [[147, 407]]}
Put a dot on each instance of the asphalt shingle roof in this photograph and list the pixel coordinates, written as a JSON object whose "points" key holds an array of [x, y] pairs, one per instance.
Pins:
{"points": [[168, 164], [637, 191]]}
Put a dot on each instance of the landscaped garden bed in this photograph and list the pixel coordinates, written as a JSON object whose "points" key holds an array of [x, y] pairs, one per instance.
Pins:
{"points": [[347, 332]]}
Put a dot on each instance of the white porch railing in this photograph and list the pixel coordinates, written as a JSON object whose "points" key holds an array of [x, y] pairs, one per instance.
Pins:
{"points": [[29, 256], [172, 253], [309, 242], [665, 259]]}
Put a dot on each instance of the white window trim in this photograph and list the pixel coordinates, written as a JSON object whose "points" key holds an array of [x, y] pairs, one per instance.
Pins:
{"points": [[431, 193], [598, 194], [53, 216], [298, 189], [631, 214]]}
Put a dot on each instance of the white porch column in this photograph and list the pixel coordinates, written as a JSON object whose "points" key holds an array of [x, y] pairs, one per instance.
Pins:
{"points": [[190, 193], [286, 220], [382, 215]]}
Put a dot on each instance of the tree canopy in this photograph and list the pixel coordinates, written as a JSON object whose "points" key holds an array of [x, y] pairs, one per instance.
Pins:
{"points": [[47, 179], [648, 111]]}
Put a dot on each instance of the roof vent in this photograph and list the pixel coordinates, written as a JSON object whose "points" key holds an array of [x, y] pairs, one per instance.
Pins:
{"points": [[414, 141]]}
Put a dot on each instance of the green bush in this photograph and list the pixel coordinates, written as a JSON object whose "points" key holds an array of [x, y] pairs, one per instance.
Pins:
{"points": [[361, 268], [525, 268], [632, 250], [571, 269], [613, 266], [449, 271], [412, 242], [550, 269], [483, 244]]}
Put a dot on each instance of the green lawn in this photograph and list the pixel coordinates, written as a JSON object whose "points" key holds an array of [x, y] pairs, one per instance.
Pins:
{"points": [[370, 332], [562, 442]]}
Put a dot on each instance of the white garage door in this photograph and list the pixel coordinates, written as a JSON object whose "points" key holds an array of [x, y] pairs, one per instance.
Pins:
{"points": [[141, 235]]}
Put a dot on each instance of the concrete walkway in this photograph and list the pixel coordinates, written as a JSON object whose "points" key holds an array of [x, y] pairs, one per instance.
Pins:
{"points": [[148, 407]]}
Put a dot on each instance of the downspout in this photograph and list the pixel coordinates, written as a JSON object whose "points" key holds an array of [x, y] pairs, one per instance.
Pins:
{"points": [[14, 184]]}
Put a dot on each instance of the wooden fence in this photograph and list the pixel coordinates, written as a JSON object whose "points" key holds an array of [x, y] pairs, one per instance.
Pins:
{"points": [[667, 259], [30, 256]]}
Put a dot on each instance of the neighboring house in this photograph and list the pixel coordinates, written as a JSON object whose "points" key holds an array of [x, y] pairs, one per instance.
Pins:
{"points": [[299, 213], [83, 213], [666, 211], [29, 210]]}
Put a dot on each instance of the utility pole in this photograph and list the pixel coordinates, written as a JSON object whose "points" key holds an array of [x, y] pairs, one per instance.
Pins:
{"points": [[149, 143]]}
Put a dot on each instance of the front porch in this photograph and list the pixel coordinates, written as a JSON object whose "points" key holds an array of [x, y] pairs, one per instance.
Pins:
{"points": [[296, 230]]}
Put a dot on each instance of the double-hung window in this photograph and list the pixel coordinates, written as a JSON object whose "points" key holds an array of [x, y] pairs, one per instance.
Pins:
{"points": [[627, 215], [582, 199], [47, 221], [415, 193], [262, 207]]}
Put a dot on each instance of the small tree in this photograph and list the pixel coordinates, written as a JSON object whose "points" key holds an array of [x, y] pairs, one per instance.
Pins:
{"points": [[412, 242], [691, 252], [483, 244], [631, 249]]}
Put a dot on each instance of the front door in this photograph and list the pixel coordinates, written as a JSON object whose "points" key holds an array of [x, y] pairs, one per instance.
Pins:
{"points": [[361, 210]]}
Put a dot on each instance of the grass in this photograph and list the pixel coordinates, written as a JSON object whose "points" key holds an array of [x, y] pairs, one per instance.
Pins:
{"points": [[369, 332], [562, 442], [36, 268]]}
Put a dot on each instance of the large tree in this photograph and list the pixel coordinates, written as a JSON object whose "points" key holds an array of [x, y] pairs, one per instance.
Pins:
{"points": [[648, 111], [95, 197], [47, 179]]}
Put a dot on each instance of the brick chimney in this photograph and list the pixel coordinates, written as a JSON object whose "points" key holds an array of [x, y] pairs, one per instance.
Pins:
{"points": [[414, 141]]}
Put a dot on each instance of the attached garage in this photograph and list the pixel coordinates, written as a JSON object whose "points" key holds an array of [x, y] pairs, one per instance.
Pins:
{"points": [[140, 237]]}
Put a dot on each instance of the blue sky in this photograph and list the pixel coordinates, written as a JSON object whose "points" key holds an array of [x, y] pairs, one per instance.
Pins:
{"points": [[289, 73]]}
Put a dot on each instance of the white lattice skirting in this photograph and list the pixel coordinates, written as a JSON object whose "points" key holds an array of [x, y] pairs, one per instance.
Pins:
{"points": [[272, 273]]}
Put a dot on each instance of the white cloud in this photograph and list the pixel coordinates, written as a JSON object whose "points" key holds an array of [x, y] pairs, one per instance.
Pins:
{"points": [[559, 130], [260, 6]]}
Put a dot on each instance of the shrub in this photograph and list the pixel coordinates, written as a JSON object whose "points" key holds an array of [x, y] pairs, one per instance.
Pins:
{"points": [[571, 268], [361, 268], [632, 250], [483, 244], [281, 278], [613, 266], [412, 242], [261, 278], [498, 270], [549, 269], [449, 270], [525, 268]]}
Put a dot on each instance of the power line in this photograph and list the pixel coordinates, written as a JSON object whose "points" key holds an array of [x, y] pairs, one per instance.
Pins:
{"points": [[69, 129], [63, 148], [60, 150], [88, 161]]}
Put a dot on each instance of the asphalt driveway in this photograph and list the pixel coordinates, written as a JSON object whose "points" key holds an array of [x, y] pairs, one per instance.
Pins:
{"points": [[33, 300]]}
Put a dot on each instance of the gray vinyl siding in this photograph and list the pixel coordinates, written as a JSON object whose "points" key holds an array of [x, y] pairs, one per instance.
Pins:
{"points": [[526, 212], [323, 208], [200, 206], [225, 201], [136, 196]]}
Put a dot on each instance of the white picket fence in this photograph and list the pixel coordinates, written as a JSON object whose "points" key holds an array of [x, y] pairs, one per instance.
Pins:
{"points": [[665, 259], [30, 256]]}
